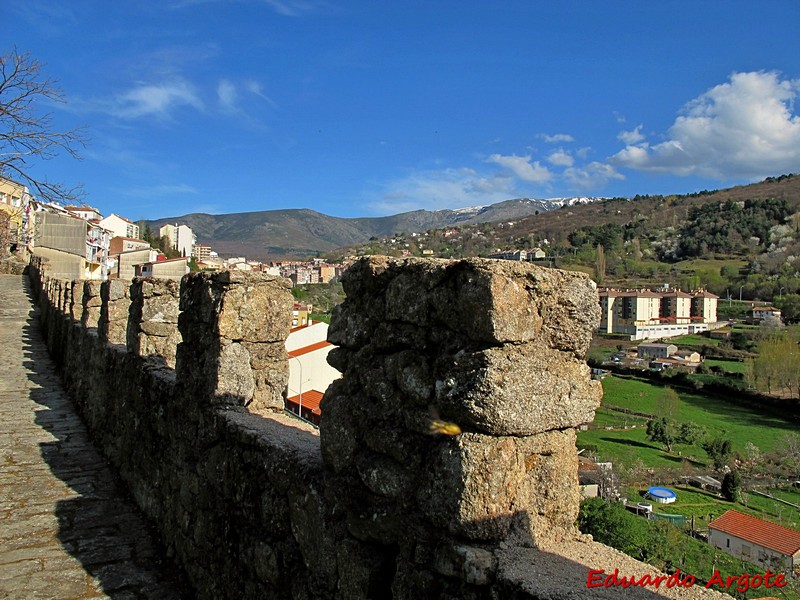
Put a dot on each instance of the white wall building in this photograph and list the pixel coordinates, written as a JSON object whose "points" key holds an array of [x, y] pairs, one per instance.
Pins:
{"points": [[647, 314], [84, 212], [309, 371], [120, 226], [755, 540], [181, 238]]}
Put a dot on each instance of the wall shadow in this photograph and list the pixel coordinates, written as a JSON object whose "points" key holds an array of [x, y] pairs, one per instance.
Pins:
{"points": [[569, 568], [99, 525]]}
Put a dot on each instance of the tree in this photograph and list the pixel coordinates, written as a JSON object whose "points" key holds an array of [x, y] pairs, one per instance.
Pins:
{"points": [[600, 264], [690, 432], [777, 366], [718, 450], [668, 404], [662, 430], [790, 308], [27, 135], [731, 486], [611, 524], [789, 453]]}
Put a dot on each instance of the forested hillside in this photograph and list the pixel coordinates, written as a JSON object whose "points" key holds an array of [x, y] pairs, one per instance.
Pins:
{"points": [[739, 242]]}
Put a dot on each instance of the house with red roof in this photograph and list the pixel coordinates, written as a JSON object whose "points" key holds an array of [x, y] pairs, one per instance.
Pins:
{"points": [[756, 540], [309, 371]]}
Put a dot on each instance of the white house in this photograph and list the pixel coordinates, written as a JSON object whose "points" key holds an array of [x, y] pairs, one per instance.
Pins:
{"points": [[756, 541], [655, 350], [88, 213], [762, 313], [120, 226], [309, 371], [174, 268]]}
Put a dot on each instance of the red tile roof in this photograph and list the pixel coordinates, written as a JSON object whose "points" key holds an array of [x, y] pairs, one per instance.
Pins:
{"points": [[311, 400], [764, 533], [311, 348], [629, 294]]}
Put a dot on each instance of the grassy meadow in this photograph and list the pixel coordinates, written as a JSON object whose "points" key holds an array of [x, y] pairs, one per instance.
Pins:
{"points": [[720, 417]]}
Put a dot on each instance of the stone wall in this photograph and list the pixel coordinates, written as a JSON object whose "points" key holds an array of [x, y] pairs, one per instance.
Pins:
{"points": [[112, 324], [445, 465], [11, 264], [152, 325]]}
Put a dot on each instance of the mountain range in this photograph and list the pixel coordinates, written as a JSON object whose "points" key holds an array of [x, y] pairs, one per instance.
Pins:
{"points": [[300, 233]]}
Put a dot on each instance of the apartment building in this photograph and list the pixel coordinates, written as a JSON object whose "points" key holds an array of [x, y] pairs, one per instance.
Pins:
{"points": [[120, 226], [15, 202], [181, 238], [75, 247], [651, 314], [201, 252]]}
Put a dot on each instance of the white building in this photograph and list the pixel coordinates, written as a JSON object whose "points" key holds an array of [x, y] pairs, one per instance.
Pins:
{"points": [[75, 247], [173, 268], [648, 314], [180, 238], [120, 226], [653, 350], [755, 540], [84, 212], [309, 371]]}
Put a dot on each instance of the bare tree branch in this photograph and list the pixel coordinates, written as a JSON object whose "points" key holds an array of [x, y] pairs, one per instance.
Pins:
{"points": [[26, 134]]}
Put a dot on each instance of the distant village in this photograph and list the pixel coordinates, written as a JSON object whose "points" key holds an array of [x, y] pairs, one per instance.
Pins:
{"points": [[81, 243]]}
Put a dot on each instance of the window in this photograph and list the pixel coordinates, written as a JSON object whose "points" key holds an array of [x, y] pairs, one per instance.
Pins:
{"points": [[728, 543]]}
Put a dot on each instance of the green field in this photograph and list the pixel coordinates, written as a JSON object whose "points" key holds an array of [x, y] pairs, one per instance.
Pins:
{"points": [[693, 340], [731, 420], [687, 266], [729, 366], [704, 505]]}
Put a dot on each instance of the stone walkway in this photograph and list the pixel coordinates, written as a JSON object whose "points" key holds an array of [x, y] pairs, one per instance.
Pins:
{"points": [[67, 527]]}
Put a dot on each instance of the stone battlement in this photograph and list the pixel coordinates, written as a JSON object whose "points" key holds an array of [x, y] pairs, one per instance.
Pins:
{"points": [[445, 464]]}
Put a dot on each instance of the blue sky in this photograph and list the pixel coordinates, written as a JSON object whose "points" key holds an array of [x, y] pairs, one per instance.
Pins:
{"points": [[365, 108]]}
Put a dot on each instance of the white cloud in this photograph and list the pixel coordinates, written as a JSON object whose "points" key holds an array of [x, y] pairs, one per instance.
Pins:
{"points": [[160, 190], [631, 137], [446, 188], [231, 102], [522, 167], [745, 128], [227, 95], [155, 100], [561, 158], [255, 88], [292, 8], [592, 176], [557, 138], [287, 8]]}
